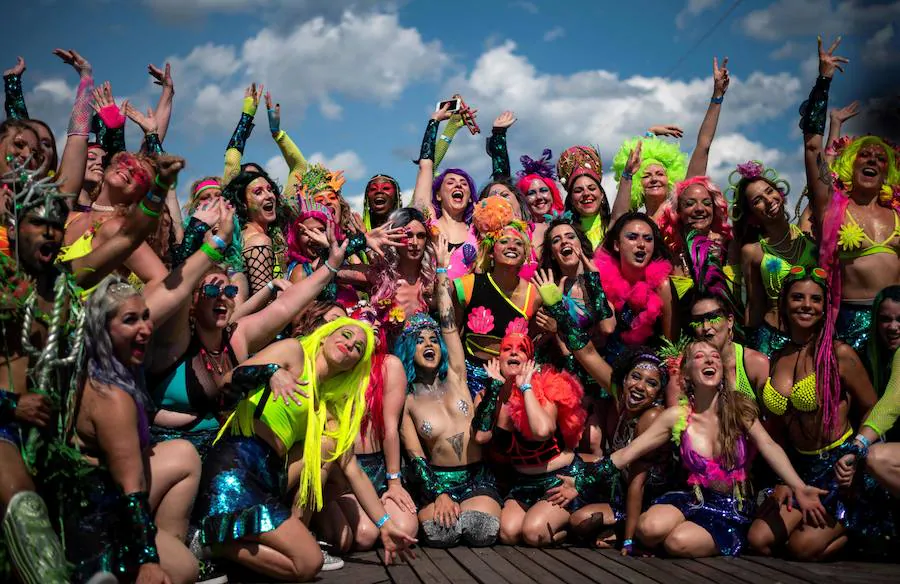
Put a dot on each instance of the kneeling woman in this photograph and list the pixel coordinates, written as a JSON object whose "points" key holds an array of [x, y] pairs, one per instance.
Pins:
{"points": [[456, 493], [539, 421], [714, 430], [244, 516]]}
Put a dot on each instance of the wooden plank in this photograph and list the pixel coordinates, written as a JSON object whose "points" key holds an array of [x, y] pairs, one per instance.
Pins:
{"points": [[738, 570], [533, 570], [501, 565], [705, 572], [582, 566], [616, 569], [359, 568], [775, 573], [399, 572], [652, 568], [795, 569], [554, 566], [426, 570], [448, 566], [486, 572]]}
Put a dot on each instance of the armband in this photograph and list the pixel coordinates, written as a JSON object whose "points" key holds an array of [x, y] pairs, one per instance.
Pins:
{"points": [[814, 111], [137, 518], [486, 413]]}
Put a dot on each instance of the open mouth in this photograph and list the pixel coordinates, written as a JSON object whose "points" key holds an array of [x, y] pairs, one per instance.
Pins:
{"points": [[220, 309], [429, 354], [457, 196], [511, 254], [379, 201], [566, 251], [708, 371], [47, 252], [268, 206], [640, 256], [138, 350], [635, 397], [125, 176], [870, 172], [513, 362]]}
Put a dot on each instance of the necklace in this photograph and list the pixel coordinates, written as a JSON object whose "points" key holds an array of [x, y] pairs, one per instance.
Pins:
{"points": [[102, 208], [214, 360], [435, 390]]}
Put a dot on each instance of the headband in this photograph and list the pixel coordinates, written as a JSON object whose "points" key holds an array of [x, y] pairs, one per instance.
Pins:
{"points": [[206, 185]]}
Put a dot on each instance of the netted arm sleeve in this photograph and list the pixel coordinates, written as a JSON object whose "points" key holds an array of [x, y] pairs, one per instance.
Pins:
{"points": [[259, 264], [887, 410]]}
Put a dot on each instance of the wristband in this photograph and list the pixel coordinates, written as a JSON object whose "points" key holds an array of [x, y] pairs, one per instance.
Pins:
{"points": [[138, 520], [627, 175], [717, 100], [441, 270], [649, 134], [332, 270], [271, 287], [628, 543], [357, 243], [550, 294], [148, 212], [249, 106], [220, 243], [525, 387], [383, 520], [164, 186], [863, 440], [392, 476], [212, 253], [274, 121]]}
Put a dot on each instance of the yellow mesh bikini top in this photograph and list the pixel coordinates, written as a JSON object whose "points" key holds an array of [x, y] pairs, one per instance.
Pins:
{"points": [[851, 237], [803, 396]]}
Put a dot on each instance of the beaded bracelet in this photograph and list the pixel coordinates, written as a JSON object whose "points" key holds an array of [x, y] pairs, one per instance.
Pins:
{"points": [[212, 253], [327, 265], [383, 520], [148, 211]]}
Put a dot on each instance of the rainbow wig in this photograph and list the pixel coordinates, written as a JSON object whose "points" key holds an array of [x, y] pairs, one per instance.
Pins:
{"points": [[366, 216], [492, 218], [653, 151], [341, 397], [670, 223], [405, 346], [308, 209], [541, 170], [436, 186]]}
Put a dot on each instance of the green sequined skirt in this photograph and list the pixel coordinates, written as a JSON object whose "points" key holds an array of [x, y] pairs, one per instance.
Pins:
{"points": [[464, 482], [528, 489]]}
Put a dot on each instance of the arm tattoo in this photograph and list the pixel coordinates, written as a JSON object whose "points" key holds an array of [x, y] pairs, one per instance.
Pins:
{"points": [[446, 312], [448, 319], [824, 170]]}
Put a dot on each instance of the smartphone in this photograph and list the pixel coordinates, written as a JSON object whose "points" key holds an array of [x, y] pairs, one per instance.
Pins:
{"points": [[453, 103]]}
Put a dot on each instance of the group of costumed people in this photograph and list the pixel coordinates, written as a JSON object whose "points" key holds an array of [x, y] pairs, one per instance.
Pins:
{"points": [[265, 380]]}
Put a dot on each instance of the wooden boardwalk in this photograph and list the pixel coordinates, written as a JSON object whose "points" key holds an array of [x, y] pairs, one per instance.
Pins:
{"points": [[578, 565]]}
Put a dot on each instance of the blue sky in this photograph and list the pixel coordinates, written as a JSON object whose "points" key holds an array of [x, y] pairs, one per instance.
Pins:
{"points": [[357, 79]]}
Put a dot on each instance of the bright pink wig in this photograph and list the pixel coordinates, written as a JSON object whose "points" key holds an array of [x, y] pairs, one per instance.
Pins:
{"points": [[670, 223]]}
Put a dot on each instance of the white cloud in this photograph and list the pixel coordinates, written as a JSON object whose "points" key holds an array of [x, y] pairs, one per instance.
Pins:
{"points": [[310, 63], [557, 32], [277, 168], [529, 7], [877, 49], [599, 107], [692, 9], [274, 11], [793, 18], [347, 160]]}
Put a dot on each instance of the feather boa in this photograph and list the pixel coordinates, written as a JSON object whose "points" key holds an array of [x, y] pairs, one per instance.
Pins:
{"points": [[641, 296], [560, 388]]}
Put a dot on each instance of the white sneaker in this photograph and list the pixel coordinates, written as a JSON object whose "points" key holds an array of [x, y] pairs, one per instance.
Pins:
{"points": [[331, 562]]}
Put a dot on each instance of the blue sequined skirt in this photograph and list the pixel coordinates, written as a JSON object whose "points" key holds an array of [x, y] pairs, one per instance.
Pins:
{"points": [[865, 510], [201, 439], [726, 520], [9, 432], [528, 489], [375, 467], [242, 490]]}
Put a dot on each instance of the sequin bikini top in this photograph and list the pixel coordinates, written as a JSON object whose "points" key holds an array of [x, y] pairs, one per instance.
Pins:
{"points": [[803, 396]]}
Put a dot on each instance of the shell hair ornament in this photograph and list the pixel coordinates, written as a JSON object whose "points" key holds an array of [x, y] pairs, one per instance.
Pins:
{"points": [[751, 170]]}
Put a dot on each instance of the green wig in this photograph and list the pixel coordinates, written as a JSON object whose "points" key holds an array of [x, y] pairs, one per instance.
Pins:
{"points": [[847, 150], [653, 151]]}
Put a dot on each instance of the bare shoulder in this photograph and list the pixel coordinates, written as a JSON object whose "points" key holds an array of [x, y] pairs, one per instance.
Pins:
{"points": [[648, 417]]}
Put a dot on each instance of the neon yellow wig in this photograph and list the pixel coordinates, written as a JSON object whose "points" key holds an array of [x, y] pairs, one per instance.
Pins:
{"points": [[653, 151], [843, 166]]}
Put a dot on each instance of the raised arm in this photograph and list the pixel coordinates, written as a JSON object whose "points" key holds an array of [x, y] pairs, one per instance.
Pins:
{"points": [[495, 145], [292, 155], [109, 123], [837, 117], [74, 156], [425, 177], [818, 174], [163, 112], [235, 149], [15, 97], [700, 155], [137, 225], [622, 204], [447, 314]]}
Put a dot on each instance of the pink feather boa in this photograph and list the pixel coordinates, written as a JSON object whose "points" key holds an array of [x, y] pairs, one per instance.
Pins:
{"points": [[560, 388], [641, 296]]}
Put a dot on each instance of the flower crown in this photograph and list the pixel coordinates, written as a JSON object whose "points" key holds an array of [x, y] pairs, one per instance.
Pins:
{"points": [[317, 178], [494, 215], [752, 169]]}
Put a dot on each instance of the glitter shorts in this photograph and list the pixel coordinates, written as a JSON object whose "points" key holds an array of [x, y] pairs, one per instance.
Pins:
{"points": [[375, 467], [528, 489], [464, 482], [725, 518]]}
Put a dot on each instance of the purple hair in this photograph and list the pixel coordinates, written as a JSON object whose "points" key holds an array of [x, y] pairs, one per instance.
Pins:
{"points": [[436, 186]]}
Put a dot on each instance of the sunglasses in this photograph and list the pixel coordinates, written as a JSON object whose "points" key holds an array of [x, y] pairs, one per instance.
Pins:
{"points": [[798, 272], [214, 290], [713, 317]]}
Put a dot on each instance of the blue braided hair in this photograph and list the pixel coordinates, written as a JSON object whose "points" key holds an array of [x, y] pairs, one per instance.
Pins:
{"points": [[405, 345]]}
